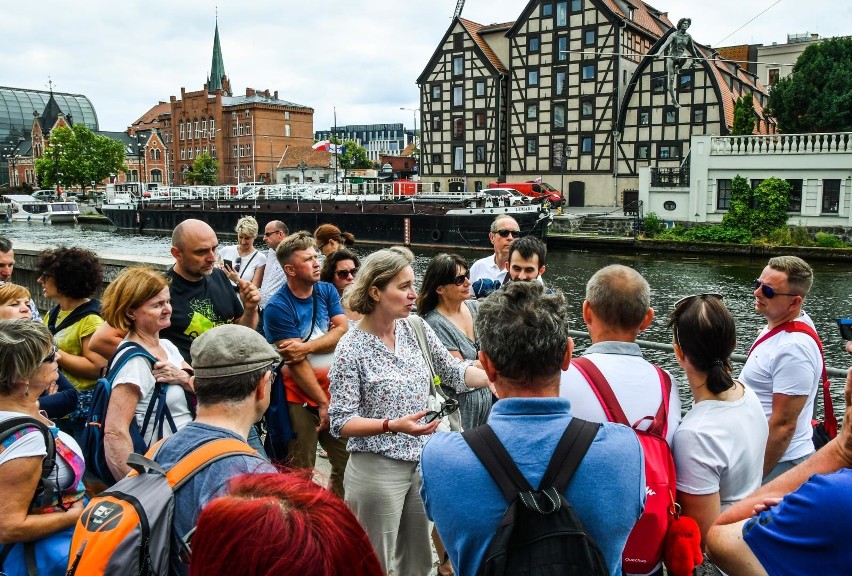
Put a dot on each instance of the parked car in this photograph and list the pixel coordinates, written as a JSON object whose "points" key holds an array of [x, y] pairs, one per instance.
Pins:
{"points": [[512, 195], [44, 195]]}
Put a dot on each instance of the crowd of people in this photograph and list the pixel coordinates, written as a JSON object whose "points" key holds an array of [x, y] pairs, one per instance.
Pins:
{"points": [[309, 348]]}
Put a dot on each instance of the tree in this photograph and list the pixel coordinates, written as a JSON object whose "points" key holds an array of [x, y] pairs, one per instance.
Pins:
{"points": [[743, 116], [205, 170], [78, 156], [354, 155], [817, 95]]}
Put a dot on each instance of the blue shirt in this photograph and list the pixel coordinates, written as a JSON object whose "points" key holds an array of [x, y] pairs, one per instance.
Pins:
{"points": [[607, 490], [288, 316]]}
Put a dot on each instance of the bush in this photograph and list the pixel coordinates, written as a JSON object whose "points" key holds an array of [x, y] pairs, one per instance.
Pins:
{"points": [[652, 225], [760, 211], [715, 233], [825, 240]]}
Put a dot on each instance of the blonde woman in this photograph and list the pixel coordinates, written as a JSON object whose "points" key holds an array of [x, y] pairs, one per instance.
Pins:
{"points": [[244, 261]]}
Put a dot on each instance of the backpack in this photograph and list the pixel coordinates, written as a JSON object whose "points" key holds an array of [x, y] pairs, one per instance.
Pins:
{"points": [[644, 549], [86, 309], [93, 433], [540, 533], [127, 528]]}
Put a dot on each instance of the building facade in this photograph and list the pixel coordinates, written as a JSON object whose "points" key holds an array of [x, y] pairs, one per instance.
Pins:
{"points": [[377, 139]]}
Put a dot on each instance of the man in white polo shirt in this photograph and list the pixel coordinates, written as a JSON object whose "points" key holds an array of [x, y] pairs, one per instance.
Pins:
{"points": [[504, 230]]}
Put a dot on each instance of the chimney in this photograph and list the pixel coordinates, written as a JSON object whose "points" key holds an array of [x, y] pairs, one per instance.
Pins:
{"points": [[276, 94], [266, 92], [250, 92]]}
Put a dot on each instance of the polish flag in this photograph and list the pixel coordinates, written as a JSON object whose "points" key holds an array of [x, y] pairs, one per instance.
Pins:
{"points": [[322, 145]]}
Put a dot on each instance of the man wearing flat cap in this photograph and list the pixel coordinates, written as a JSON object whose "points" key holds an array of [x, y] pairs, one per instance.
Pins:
{"points": [[234, 370]]}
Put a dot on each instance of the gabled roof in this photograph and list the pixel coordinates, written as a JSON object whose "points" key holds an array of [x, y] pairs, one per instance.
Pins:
{"points": [[645, 16], [259, 98], [313, 158], [481, 47], [473, 29], [51, 114], [155, 112]]}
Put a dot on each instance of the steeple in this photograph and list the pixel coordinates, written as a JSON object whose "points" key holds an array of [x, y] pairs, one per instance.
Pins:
{"points": [[217, 68]]}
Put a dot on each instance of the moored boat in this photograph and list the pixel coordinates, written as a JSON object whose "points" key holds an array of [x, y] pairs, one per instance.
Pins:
{"points": [[383, 214], [25, 208]]}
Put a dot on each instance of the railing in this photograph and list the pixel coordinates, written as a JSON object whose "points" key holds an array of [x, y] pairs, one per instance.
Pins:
{"points": [[818, 143], [670, 177]]}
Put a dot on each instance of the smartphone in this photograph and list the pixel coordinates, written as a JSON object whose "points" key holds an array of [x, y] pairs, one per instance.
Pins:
{"points": [[228, 264], [845, 326]]}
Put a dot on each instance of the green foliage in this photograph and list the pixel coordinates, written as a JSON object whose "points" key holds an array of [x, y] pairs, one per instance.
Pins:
{"points": [[354, 155], [825, 240], [78, 156], [743, 116], [758, 211], [715, 233], [652, 225], [205, 170], [817, 95]]}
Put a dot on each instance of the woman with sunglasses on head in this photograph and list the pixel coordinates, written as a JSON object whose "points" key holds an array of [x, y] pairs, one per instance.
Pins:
{"points": [[243, 261], [718, 447], [380, 384], [43, 519], [339, 269], [329, 239]]}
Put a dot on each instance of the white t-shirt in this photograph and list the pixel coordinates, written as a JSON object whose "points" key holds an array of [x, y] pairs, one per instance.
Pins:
{"points": [[719, 446], [788, 363], [273, 278], [248, 264], [486, 268], [137, 372], [634, 381], [32, 444]]}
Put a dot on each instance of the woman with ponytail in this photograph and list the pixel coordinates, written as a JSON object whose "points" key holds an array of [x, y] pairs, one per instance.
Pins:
{"points": [[718, 447]]}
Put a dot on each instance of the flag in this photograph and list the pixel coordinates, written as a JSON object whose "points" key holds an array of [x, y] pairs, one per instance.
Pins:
{"points": [[537, 180], [322, 145]]}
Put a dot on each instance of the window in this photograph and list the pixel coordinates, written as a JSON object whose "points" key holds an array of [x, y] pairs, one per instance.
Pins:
{"points": [[235, 150], [559, 88], [587, 108], [436, 92], [190, 153], [248, 129], [755, 182], [183, 153], [723, 194], [658, 83], [669, 115], [248, 114], [286, 115], [576, 5], [436, 122], [479, 153], [795, 204], [180, 127], [532, 146], [685, 80], [458, 96], [204, 127], [561, 49], [532, 111], [534, 44], [589, 37], [546, 10], [458, 65], [698, 114], [589, 71], [665, 151], [287, 130], [458, 158], [234, 129], [212, 128], [558, 116], [480, 120], [774, 75], [458, 128], [248, 149], [197, 130], [644, 116], [643, 150], [532, 77], [587, 144], [830, 196], [436, 159], [562, 13], [213, 150], [458, 41], [479, 88]]}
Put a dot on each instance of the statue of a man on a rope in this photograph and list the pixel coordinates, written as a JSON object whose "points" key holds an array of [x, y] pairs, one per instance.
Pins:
{"points": [[674, 51]]}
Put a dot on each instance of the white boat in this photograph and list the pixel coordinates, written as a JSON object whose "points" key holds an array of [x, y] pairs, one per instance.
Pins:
{"points": [[25, 208]]}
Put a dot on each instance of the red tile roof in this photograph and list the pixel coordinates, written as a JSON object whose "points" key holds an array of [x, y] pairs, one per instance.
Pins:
{"points": [[313, 158], [473, 29], [644, 15]]}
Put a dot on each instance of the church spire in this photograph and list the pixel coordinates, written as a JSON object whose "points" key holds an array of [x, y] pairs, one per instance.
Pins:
{"points": [[217, 68]]}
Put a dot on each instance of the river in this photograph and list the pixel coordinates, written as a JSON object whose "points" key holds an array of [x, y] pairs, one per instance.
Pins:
{"points": [[671, 277]]}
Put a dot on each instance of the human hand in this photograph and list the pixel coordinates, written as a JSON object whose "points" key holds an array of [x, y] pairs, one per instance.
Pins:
{"points": [[410, 424], [230, 273], [249, 294], [52, 388], [323, 418], [293, 352], [845, 434], [168, 373], [849, 346], [765, 505]]}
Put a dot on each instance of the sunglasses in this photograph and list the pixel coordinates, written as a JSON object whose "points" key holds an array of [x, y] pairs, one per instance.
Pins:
{"points": [[344, 274], [461, 279], [505, 233], [769, 291], [701, 296], [450, 406], [50, 357]]}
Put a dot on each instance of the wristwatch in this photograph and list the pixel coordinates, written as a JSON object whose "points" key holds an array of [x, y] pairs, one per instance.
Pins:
{"points": [[386, 428]]}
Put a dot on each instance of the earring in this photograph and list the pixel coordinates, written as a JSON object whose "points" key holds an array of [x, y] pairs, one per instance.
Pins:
{"points": [[27, 391]]}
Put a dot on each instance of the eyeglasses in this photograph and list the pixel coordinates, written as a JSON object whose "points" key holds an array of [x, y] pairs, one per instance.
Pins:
{"points": [[50, 357], [237, 263], [461, 278], [265, 234], [344, 274], [769, 291], [274, 367], [505, 233], [450, 406]]}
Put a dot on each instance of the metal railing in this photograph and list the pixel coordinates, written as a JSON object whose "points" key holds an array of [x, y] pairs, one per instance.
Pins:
{"points": [[670, 177]]}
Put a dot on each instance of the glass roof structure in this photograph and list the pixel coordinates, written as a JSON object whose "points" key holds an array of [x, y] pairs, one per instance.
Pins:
{"points": [[18, 104]]}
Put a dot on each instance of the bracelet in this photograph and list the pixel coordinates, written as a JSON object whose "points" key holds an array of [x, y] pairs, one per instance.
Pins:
{"points": [[386, 428]]}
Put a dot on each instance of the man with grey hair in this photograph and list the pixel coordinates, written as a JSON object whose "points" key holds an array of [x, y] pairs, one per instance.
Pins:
{"points": [[616, 309], [234, 370], [504, 229], [523, 333], [7, 266], [785, 363], [305, 320]]}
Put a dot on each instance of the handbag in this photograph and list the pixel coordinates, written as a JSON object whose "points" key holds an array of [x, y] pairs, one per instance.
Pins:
{"points": [[436, 399]]}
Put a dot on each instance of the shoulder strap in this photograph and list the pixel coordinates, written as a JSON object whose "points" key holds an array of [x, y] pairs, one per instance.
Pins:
{"points": [[497, 461], [247, 264], [570, 451], [93, 306], [13, 425], [416, 323], [133, 349], [202, 457]]}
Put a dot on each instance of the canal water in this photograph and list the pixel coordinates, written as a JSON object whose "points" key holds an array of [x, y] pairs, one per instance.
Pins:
{"points": [[671, 276]]}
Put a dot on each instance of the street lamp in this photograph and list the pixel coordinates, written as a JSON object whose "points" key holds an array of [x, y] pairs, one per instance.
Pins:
{"points": [[140, 157], [57, 149], [303, 167], [419, 149], [566, 152]]}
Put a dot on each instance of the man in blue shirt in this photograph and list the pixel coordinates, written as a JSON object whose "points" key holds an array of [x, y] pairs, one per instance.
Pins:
{"points": [[305, 320], [523, 333]]}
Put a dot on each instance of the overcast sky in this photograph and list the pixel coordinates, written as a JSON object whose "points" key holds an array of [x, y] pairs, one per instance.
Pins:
{"points": [[360, 56]]}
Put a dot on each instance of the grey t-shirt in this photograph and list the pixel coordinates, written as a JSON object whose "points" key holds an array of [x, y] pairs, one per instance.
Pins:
{"points": [[211, 482]]}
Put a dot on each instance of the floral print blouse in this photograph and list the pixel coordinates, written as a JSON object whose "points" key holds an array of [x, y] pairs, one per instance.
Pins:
{"points": [[371, 381]]}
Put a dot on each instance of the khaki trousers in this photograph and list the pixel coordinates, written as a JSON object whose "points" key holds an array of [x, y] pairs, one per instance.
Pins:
{"points": [[302, 452]]}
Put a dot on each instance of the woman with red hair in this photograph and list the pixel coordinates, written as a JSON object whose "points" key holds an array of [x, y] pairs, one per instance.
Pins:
{"points": [[280, 524]]}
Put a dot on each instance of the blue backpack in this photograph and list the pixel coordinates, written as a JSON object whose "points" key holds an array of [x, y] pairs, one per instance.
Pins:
{"points": [[156, 415]]}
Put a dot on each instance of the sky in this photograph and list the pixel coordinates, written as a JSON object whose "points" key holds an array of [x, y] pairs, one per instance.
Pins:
{"points": [[361, 57]]}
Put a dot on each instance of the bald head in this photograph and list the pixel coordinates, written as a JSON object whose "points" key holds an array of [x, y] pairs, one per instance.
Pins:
{"points": [[189, 229], [619, 296], [194, 245]]}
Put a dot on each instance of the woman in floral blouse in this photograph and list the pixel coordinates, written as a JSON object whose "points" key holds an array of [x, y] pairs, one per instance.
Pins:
{"points": [[379, 388]]}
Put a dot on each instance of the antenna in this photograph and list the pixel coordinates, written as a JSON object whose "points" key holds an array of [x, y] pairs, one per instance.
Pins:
{"points": [[50, 84], [459, 6]]}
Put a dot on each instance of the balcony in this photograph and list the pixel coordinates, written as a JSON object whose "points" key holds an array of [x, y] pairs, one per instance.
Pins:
{"points": [[670, 177], [818, 143]]}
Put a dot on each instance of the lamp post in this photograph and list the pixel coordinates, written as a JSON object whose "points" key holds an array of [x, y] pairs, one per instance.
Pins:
{"points": [[419, 149], [141, 158], [303, 167], [566, 151], [57, 149]]}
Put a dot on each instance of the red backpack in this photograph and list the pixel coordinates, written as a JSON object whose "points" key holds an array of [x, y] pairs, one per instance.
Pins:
{"points": [[644, 549]]}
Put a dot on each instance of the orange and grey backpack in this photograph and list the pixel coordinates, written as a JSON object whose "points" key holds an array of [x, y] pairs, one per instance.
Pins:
{"points": [[127, 529]]}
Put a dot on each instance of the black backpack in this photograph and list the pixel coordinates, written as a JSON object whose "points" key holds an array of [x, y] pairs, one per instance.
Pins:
{"points": [[540, 534]]}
